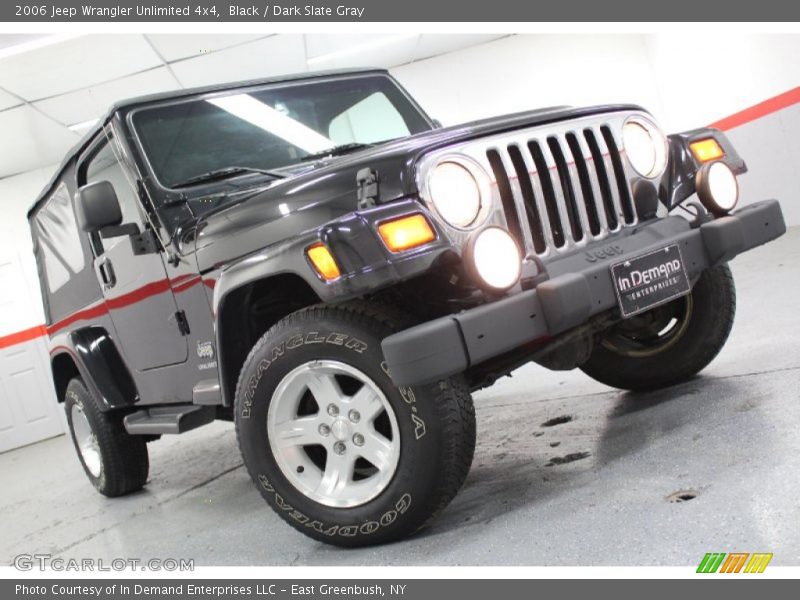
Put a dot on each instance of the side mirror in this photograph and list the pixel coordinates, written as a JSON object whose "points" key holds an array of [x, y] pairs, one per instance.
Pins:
{"points": [[97, 207]]}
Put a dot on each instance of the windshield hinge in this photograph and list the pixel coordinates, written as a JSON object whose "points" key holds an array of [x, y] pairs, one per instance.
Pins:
{"points": [[183, 323], [367, 182], [141, 191]]}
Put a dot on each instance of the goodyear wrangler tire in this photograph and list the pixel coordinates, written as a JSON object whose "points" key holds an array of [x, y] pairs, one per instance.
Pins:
{"points": [[670, 343], [337, 450], [115, 462]]}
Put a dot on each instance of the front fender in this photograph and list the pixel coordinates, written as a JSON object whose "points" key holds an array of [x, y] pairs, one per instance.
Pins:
{"points": [[366, 266], [365, 263], [679, 184]]}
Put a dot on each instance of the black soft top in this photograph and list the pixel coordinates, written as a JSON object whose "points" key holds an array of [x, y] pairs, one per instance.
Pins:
{"points": [[174, 95]]}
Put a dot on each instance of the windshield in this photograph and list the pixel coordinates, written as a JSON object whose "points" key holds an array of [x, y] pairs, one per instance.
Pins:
{"points": [[274, 127]]}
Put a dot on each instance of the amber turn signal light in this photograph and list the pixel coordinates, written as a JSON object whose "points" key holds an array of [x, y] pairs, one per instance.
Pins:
{"points": [[323, 261], [707, 150], [406, 232]]}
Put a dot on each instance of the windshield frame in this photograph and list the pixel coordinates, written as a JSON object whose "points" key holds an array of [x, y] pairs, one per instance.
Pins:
{"points": [[199, 189]]}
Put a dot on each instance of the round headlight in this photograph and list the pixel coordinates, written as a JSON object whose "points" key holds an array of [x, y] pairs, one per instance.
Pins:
{"points": [[717, 187], [455, 194], [645, 147], [494, 258]]}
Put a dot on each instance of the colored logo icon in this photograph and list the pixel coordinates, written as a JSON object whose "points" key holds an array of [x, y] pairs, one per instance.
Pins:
{"points": [[735, 562]]}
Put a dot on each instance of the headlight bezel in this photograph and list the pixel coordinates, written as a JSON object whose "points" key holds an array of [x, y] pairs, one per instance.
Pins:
{"points": [[479, 176], [659, 141]]}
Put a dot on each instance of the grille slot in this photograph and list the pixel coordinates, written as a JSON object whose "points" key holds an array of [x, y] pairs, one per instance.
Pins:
{"points": [[599, 160], [528, 198], [564, 181], [548, 191], [619, 172], [506, 195], [585, 182], [560, 191]]}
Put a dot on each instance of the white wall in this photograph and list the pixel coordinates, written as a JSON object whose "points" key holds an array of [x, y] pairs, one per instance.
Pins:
{"points": [[531, 71], [700, 84], [684, 85], [771, 148], [17, 194], [28, 410]]}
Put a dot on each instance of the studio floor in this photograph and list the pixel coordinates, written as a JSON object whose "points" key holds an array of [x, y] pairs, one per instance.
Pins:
{"points": [[566, 471]]}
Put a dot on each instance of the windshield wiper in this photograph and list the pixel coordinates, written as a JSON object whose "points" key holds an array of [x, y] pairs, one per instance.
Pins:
{"points": [[225, 173], [336, 151]]}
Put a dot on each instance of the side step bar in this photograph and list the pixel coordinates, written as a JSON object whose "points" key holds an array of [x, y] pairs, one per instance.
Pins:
{"points": [[168, 419]]}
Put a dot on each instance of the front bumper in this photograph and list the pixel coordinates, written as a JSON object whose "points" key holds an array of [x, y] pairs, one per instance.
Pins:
{"points": [[579, 286]]}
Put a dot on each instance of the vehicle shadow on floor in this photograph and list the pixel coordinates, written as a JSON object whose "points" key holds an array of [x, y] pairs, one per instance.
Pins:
{"points": [[523, 459], [639, 419]]}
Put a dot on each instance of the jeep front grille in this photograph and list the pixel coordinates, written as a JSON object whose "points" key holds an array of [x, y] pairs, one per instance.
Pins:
{"points": [[559, 186], [562, 191]]}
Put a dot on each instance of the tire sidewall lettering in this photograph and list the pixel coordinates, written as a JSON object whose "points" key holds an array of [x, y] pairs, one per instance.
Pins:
{"points": [[410, 399], [401, 506], [336, 339], [292, 343]]}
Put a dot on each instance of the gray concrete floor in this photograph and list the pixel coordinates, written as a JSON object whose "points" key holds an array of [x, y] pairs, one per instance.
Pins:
{"points": [[731, 436]]}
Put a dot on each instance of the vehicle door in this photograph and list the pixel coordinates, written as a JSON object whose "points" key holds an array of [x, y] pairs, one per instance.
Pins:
{"points": [[130, 267]]}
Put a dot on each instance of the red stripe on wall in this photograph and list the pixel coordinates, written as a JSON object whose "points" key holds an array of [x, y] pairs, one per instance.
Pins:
{"points": [[760, 110], [22, 336]]}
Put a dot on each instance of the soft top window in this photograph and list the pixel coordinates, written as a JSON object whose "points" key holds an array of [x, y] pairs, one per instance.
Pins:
{"points": [[59, 238]]}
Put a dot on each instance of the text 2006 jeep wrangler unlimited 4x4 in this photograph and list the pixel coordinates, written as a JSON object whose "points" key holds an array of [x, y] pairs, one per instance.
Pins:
{"points": [[317, 260]]}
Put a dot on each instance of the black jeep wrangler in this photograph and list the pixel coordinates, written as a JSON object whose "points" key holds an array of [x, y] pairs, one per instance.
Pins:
{"points": [[316, 259]]}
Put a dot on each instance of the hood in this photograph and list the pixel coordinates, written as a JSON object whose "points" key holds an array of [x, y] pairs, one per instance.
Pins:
{"points": [[326, 190]]}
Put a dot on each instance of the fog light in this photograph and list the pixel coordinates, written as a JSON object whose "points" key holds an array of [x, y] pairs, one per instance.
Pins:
{"points": [[493, 257], [717, 187], [323, 261]]}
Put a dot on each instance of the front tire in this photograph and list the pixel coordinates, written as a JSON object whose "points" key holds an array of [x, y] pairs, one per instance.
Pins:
{"points": [[668, 344], [115, 462], [334, 447]]}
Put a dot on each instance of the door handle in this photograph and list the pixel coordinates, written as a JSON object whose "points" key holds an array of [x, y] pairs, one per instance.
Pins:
{"points": [[107, 274]]}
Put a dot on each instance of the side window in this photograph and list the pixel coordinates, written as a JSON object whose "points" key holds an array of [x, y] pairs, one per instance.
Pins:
{"points": [[373, 119], [59, 239], [104, 166]]}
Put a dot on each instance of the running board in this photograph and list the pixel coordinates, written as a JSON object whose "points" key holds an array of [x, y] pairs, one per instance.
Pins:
{"points": [[168, 419]]}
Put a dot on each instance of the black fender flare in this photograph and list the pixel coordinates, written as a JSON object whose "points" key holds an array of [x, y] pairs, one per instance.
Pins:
{"points": [[286, 259], [100, 365]]}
